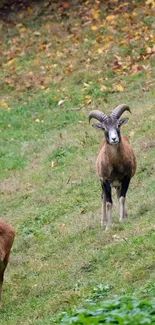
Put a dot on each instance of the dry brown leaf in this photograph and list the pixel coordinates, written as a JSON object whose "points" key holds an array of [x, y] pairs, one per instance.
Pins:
{"points": [[136, 68], [151, 3], [68, 70], [65, 5], [42, 47]]}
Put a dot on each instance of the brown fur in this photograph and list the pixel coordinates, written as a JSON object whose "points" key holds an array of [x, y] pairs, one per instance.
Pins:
{"points": [[115, 164], [116, 161], [7, 235]]}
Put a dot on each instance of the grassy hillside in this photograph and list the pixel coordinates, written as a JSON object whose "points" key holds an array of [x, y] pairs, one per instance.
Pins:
{"points": [[59, 60]]}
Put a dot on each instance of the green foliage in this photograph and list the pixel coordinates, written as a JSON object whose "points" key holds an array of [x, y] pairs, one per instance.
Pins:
{"points": [[100, 291], [121, 310]]}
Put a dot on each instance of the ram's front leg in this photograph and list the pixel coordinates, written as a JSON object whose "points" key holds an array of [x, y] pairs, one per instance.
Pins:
{"points": [[122, 198], [106, 204]]}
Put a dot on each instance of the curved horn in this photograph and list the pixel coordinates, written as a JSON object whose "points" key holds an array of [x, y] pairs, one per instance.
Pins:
{"points": [[119, 110], [100, 116]]}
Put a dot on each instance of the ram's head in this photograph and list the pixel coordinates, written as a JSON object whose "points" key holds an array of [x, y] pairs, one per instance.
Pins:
{"points": [[110, 123]]}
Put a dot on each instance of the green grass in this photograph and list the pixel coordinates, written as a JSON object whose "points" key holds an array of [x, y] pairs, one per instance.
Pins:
{"points": [[49, 188]]}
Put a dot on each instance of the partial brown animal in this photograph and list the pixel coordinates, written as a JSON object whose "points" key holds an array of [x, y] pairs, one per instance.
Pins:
{"points": [[116, 161], [7, 235]]}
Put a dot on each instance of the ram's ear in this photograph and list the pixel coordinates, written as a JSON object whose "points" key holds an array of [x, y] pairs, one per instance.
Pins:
{"points": [[98, 126], [123, 121]]}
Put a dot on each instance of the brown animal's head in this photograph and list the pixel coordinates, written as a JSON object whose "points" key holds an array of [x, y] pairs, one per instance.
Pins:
{"points": [[110, 123]]}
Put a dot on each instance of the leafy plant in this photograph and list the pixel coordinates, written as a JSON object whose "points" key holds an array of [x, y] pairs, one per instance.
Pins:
{"points": [[100, 291], [120, 310]]}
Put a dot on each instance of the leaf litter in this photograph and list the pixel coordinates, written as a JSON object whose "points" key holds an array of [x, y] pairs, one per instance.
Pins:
{"points": [[55, 48]]}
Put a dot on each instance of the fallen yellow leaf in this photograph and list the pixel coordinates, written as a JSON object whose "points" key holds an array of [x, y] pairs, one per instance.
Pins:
{"points": [[23, 30], [93, 27], [42, 87], [103, 48], [3, 104], [118, 87], [30, 73], [20, 25], [111, 17], [89, 101], [95, 13], [10, 62], [29, 9], [86, 84], [125, 29]]}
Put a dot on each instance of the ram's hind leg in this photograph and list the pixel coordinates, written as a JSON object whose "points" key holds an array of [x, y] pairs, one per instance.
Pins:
{"points": [[106, 205], [122, 198], [123, 210]]}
